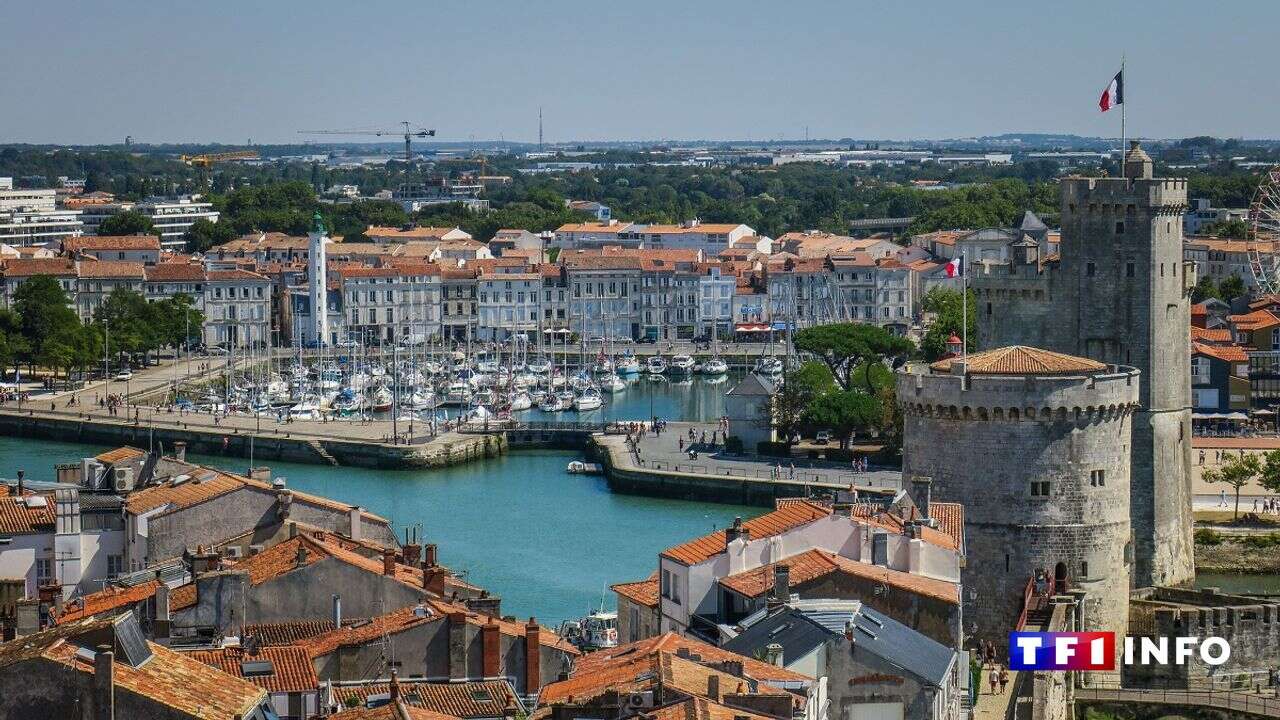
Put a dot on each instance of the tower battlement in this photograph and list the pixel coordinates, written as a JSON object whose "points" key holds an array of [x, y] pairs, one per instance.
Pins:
{"points": [[1162, 193]]}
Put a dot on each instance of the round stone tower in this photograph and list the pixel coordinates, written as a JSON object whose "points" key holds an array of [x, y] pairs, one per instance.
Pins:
{"points": [[1036, 446]]}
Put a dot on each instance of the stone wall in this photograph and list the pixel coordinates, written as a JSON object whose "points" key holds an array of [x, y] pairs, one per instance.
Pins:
{"points": [[991, 443], [1119, 294]]}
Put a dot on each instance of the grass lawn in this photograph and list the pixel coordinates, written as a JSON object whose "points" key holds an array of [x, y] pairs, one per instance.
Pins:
{"points": [[1224, 517]]}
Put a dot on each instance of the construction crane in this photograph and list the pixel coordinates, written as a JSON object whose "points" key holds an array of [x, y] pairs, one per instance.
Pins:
{"points": [[408, 132], [209, 159]]}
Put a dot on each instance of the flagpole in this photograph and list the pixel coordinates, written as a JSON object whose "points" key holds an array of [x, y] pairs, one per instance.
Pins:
{"points": [[1124, 141], [964, 305]]}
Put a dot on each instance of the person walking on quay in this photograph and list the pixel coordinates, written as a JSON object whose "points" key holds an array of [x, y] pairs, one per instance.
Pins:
{"points": [[680, 442], [1004, 677], [992, 678], [793, 471]]}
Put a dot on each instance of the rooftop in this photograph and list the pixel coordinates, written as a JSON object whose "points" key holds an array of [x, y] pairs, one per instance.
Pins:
{"points": [[290, 668], [814, 564], [1022, 360], [461, 700], [791, 515]]}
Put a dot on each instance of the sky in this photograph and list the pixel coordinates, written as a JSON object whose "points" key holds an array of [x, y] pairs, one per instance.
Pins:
{"points": [[233, 71]]}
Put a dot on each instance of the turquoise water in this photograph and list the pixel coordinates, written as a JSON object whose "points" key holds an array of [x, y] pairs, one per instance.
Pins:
{"points": [[549, 543]]}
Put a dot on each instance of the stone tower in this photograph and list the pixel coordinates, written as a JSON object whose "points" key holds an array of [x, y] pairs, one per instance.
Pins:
{"points": [[1119, 293], [1033, 444], [318, 291]]}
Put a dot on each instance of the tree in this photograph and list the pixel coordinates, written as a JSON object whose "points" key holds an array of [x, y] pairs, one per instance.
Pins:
{"points": [[1233, 229], [844, 412], [12, 343], [785, 412], [845, 347], [948, 306], [129, 222], [179, 320], [1231, 288], [1237, 471], [41, 307], [130, 322], [1204, 290], [1269, 475], [203, 235]]}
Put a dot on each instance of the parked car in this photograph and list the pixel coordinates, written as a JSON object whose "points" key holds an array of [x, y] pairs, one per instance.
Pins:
{"points": [[215, 350], [124, 375], [823, 437]]}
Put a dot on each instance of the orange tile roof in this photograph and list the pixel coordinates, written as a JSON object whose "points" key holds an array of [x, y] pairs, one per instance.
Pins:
{"points": [[110, 242], [391, 711], [1216, 335], [1256, 320], [592, 227], [780, 520], [27, 267], [110, 269], [1023, 360], [291, 667], [575, 261], [415, 233], [942, 237], [232, 275], [17, 518], [199, 488], [813, 564], [697, 708], [109, 598], [643, 592], [121, 453], [1226, 353], [891, 522], [459, 700], [182, 684], [950, 517]]}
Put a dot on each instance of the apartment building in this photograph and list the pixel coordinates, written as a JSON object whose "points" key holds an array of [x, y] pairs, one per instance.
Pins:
{"points": [[1222, 258], [857, 288], [237, 308], [98, 279], [27, 227], [508, 305], [14, 272], [670, 298], [170, 217], [133, 248], [603, 299], [572, 236], [692, 235], [459, 312], [715, 300]]}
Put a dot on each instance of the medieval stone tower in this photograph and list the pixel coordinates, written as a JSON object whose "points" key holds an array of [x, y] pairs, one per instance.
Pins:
{"points": [[1035, 444], [1119, 293]]}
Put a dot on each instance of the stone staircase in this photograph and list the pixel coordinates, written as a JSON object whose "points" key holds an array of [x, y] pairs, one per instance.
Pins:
{"points": [[324, 454]]}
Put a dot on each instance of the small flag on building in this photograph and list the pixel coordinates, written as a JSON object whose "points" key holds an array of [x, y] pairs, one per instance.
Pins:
{"points": [[1114, 94], [955, 268]]}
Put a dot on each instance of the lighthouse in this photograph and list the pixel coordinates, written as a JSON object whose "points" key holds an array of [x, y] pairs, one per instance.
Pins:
{"points": [[319, 283]]}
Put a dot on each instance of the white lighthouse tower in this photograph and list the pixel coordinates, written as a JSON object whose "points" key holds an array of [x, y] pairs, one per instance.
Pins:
{"points": [[319, 283]]}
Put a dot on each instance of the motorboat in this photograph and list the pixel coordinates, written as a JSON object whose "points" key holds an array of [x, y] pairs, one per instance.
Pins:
{"points": [[589, 399], [458, 393], [552, 403], [681, 364], [656, 365], [612, 383], [629, 365], [715, 366], [596, 631], [380, 400], [420, 400], [769, 367], [521, 401]]}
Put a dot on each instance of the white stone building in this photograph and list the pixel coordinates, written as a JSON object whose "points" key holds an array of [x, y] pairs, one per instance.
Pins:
{"points": [[237, 308]]}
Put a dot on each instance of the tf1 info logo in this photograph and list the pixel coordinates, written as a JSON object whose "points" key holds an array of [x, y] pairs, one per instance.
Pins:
{"points": [[1096, 651]]}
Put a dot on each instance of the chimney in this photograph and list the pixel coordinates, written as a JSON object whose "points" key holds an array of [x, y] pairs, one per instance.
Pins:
{"points": [[773, 654], [848, 631], [160, 621], [389, 563], [532, 657], [735, 531], [301, 557], [412, 554], [104, 684], [337, 611], [713, 688], [353, 522], [781, 582], [458, 646], [922, 490], [21, 484], [180, 451], [429, 558], [491, 644], [395, 687]]}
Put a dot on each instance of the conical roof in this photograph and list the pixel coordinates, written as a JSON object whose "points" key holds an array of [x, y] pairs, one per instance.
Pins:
{"points": [[1030, 222], [1023, 360]]}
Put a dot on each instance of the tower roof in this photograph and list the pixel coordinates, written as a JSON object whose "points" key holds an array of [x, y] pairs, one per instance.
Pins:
{"points": [[1022, 360]]}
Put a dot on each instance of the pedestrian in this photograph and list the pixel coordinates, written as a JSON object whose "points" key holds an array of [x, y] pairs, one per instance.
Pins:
{"points": [[681, 444], [1004, 677], [793, 471], [993, 678]]}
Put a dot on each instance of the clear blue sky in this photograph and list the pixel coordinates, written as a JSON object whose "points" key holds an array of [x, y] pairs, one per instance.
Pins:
{"points": [[233, 70]]}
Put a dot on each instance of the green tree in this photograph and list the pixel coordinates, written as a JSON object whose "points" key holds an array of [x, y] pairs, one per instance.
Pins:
{"points": [[1238, 471], [947, 305], [1231, 288], [845, 347], [844, 412], [129, 222], [203, 235], [179, 320], [1204, 290], [1269, 474], [41, 307], [1233, 229], [129, 321], [12, 343], [785, 412]]}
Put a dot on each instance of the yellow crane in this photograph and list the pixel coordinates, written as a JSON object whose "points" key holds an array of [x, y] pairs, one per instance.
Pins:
{"points": [[407, 132], [207, 159]]}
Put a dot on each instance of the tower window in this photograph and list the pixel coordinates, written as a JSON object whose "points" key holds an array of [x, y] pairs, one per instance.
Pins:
{"points": [[1098, 478], [1084, 569], [1040, 488], [1120, 228], [988, 308], [1128, 269], [1006, 562], [1089, 269]]}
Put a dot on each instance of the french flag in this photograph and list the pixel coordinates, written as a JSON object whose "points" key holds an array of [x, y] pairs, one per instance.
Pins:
{"points": [[955, 268], [1114, 94]]}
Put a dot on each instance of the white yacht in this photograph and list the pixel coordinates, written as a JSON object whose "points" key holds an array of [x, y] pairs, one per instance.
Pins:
{"points": [[589, 399], [656, 365], [715, 366], [612, 383], [628, 365], [521, 401], [682, 364]]}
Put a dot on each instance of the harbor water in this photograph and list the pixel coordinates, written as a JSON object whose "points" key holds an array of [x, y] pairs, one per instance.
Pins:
{"points": [[548, 542]]}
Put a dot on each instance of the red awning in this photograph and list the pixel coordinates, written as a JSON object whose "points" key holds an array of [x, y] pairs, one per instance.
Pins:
{"points": [[751, 327]]}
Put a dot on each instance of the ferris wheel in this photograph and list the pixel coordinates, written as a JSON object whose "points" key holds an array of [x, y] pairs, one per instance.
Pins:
{"points": [[1264, 233]]}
